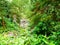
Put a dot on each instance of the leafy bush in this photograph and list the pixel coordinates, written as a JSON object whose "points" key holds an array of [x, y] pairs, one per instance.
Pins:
{"points": [[44, 26]]}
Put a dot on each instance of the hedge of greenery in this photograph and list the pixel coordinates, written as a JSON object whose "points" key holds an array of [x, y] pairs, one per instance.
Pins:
{"points": [[43, 17]]}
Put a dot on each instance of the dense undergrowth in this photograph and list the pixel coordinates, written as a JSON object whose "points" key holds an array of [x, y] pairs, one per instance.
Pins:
{"points": [[16, 38], [42, 26]]}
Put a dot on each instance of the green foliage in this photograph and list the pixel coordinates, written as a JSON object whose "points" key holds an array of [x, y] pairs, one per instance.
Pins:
{"points": [[44, 22]]}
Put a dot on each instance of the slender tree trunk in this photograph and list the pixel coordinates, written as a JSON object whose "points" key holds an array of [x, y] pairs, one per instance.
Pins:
{"points": [[3, 22]]}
